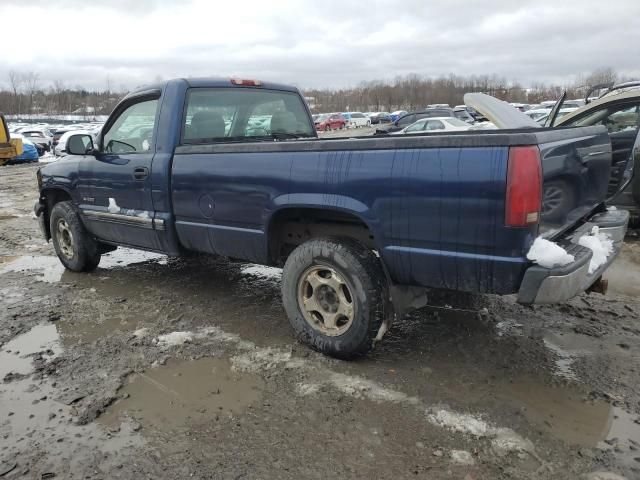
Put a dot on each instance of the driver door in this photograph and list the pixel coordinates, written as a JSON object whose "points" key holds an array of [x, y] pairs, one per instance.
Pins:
{"points": [[120, 180]]}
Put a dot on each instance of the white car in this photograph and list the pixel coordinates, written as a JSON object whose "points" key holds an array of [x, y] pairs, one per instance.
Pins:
{"points": [[358, 119], [41, 136], [561, 113], [536, 113], [435, 124]]}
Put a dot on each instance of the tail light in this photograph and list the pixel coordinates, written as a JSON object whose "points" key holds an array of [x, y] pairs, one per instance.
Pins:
{"points": [[524, 187]]}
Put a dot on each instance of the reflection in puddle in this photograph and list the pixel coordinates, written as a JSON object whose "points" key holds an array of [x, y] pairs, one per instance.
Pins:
{"points": [[128, 256], [49, 269], [624, 273], [15, 356], [565, 414], [183, 392]]}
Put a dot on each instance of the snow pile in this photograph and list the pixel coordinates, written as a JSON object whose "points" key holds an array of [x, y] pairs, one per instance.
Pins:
{"points": [[611, 208], [174, 338], [601, 246], [113, 206], [462, 457], [503, 440], [141, 332], [548, 254]]}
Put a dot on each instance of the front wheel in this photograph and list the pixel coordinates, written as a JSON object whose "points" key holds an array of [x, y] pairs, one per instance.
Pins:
{"points": [[336, 296], [76, 249]]}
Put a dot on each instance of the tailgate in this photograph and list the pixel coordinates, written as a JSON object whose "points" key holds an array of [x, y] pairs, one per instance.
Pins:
{"points": [[576, 164]]}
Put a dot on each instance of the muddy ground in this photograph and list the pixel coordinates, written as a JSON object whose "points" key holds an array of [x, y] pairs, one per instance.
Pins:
{"points": [[152, 367]]}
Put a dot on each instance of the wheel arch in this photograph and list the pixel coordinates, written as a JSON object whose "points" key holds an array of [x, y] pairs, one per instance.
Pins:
{"points": [[49, 197], [292, 225]]}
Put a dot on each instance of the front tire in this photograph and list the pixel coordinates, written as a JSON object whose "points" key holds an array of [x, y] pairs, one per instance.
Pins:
{"points": [[75, 247], [336, 296]]}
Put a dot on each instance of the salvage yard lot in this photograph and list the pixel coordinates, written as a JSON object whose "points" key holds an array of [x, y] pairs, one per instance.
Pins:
{"points": [[152, 367]]}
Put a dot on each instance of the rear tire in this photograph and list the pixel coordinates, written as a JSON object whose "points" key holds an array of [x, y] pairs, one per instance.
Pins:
{"points": [[76, 248], [335, 294]]}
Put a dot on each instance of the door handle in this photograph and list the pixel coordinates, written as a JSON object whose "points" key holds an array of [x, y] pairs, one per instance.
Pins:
{"points": [[140, 173]]}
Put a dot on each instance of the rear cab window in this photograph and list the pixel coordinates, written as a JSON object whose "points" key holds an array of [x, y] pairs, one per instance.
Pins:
{"points": [[243, 114]]}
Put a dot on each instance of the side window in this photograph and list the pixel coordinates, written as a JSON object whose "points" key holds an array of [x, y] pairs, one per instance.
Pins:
{"points": [[416, 127], [133, 130], [620, 118], [406, 120], [435, 125]]}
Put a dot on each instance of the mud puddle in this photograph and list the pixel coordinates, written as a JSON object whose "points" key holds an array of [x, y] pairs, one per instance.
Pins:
{"points": [[182, 393], [32, 419], [16, 356], [48, 269], [567, 413]]}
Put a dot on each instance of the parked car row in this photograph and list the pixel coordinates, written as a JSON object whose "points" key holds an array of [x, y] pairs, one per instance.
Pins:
{"points": [[42, 138]]}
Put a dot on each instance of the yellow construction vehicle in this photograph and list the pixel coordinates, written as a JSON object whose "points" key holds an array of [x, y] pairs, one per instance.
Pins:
{"points": [[9, 147]]}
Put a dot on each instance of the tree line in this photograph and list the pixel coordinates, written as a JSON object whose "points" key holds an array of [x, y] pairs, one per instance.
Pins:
{"points": [[26, 93], [412, 92]]}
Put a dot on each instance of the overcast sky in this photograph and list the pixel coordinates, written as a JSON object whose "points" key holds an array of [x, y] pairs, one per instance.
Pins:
{"points": [[319, 43]]}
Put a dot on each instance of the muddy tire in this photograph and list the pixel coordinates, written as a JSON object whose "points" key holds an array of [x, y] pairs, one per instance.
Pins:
{"points": [[336, 296], [77, 250]]}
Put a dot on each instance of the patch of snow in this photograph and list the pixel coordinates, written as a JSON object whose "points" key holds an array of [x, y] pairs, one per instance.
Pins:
{"points": [[174, 338], [141, 332], [144, 214], [260, 359], [506, 441], [306, 389], [548, 254], [462, 457], [601, 246], [262, 271], [612, 208], [460, 422], [358, 387], [113, 206]]}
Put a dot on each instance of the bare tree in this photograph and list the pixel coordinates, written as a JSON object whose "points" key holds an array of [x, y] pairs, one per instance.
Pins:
{"points": [[31, 80], [15, 81]]}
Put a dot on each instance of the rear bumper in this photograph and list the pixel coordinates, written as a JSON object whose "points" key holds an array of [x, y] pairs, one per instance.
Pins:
{"points": [[559, 284]]}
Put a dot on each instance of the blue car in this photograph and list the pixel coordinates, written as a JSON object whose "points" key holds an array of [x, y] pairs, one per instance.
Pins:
{"points": [[29, 151]]}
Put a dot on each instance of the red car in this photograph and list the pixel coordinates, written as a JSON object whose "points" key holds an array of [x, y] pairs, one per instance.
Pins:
{"points": [[330, 121]]}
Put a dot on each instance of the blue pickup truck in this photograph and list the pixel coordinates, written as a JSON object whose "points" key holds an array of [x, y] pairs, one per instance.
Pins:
{"points": [[361, 226]]}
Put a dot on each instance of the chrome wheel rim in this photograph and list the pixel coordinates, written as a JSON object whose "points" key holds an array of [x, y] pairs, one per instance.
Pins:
{"points": [[65, 239], [325, 300], [551, 199]]}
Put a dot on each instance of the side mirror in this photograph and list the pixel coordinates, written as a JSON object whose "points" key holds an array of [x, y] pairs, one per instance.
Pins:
{"points": [[81, 144]]}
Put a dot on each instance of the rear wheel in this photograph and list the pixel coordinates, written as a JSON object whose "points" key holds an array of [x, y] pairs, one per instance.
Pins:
{"points": [[77, 250], [327, 128], [335, 294]]}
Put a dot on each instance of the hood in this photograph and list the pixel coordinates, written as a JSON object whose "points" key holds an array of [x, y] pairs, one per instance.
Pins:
{"points": [[500, 113]]}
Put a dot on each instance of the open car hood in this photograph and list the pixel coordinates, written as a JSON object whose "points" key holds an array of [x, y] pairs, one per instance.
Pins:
{"points": [[500, 113]]}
